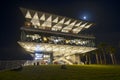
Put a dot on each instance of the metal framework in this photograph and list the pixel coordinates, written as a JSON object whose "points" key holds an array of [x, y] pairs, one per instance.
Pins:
{"points": [[55, 48], [42, 20], [54, 24]]}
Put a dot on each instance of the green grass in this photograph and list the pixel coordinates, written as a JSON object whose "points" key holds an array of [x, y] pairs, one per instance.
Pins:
{"points": [[54, 72]]}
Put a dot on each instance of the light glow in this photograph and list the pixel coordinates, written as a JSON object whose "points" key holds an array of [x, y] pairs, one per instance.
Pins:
{"points": [[64, 47], [84, 17], [52, 22], [55, 20], [55, 48], [42, 17], [28, 15]]}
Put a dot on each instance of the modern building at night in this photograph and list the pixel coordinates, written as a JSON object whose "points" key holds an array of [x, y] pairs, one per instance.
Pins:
{"points": [[55, 39]]}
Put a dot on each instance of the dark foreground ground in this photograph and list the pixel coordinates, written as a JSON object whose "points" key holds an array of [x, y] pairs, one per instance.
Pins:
{"points": [[73, 72]]}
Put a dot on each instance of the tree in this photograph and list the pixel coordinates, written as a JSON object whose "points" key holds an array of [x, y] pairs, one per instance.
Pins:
{"points": [[87, 58], [102, 48], [101, 62], [96, 52], [112, 51]]}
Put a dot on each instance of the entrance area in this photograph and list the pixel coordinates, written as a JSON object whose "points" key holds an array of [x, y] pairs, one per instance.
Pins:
{"points": [[42, 58]]}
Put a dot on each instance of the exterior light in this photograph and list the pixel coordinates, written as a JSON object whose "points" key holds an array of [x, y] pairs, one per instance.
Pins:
{"points": [[28, 24], [45, 33], [45, 39]]}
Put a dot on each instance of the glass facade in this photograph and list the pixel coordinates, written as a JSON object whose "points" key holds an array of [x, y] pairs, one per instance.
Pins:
{"points": [[53, 38], [39, 37]]}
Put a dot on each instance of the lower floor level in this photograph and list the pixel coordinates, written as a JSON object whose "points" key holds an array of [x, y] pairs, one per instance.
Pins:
{"points": [[48, 58]]}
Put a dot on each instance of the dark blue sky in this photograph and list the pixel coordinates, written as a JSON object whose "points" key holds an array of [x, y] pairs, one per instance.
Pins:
{"points": [[105, 14]]}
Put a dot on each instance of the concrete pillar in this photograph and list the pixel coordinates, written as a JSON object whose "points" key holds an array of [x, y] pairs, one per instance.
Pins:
{"points": [[73, 58], [51, 58], [77, 58]]}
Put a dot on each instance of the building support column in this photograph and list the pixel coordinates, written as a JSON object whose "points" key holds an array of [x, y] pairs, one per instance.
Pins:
{"points": [[51, 58], [77, 56]]}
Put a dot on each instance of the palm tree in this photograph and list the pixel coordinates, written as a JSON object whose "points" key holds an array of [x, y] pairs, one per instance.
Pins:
{"points": [[101, 62], [87, 58], [112, 51], [102, 47], [96, 52]]}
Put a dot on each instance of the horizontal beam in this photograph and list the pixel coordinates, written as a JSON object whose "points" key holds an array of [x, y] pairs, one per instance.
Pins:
{"points": [[58, 33], [55, 48]]}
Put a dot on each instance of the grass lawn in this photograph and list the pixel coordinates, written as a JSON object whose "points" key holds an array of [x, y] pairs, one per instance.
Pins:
{"points": [[73, 72]]}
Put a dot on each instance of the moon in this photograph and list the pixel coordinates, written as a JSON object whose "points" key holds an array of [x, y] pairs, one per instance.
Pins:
{"points": [[84, 17]]}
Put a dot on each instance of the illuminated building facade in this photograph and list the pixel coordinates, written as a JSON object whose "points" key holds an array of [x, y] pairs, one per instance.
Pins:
{"points": [[55, 39]]}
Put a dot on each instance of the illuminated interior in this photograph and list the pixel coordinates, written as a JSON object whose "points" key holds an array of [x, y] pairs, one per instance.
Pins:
{"points": [[56, 48], [56, 35]]}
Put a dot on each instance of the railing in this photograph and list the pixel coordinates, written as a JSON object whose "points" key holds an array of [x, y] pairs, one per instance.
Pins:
{"points": [[15, 64], [11, 64]]}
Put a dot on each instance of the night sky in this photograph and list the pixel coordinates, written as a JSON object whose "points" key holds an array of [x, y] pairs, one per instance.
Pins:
{"points": [[105, 15]]}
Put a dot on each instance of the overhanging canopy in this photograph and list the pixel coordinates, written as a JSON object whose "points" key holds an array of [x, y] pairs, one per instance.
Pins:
{"points": [[55, 48], [54, 22]]}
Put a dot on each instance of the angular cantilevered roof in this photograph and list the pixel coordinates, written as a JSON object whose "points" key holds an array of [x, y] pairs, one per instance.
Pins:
{"points": [[54, 22], [55, 48]]}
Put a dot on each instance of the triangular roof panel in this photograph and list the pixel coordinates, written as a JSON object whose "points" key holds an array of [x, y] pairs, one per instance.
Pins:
{"points": [[42, 17], [28, 15], [36, 16], [55, 20], [67, 22]]}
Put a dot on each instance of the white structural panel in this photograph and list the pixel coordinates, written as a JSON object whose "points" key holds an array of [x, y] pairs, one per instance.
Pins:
{"points": [[55, 48], [55, 22]]}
